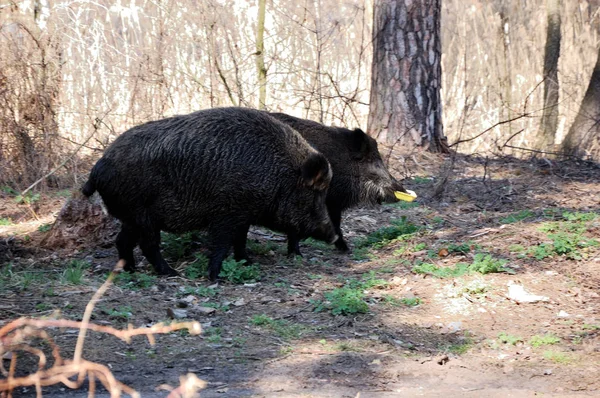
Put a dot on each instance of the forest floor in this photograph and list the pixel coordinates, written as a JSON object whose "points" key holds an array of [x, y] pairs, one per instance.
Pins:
{"points": [[487, 285]]}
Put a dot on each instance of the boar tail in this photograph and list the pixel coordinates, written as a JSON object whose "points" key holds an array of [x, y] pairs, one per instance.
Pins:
{"points": [[89, 188]]}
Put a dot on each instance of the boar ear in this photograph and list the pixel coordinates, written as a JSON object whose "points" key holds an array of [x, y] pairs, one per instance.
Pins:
{"points": [[360, 143], [316, 173]]}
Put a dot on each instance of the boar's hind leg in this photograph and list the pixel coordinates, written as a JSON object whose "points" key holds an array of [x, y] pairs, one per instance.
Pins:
{"points": [[127, 239], [336, 219], [239, 244], [150, 245]]}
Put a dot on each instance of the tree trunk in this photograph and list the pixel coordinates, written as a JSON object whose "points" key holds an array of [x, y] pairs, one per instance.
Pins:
{"points": [[260, 55], [584, 135], [405, 106], [549, 123]]}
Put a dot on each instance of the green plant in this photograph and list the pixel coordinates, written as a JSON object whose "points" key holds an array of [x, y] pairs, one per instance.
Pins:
{"points": [[558, 357], [45, 227], [383, 236], [135, 281], [28, 199], [547, 339], [344, 301], [420, 246], [284, 329], [404, 205], [411, 301], [516, 217], [74, 272], [509, 339], [8, 190], [486, 263], [422, 180], [460, 248], [198, 267], [261, 248], [459, 269], [361, 254], [459, 349], [213, 335], [122, 313], [177, 246], [42, 306], [577, 216], [317, 244], [587, 326], [238, 272], [516, 248], [5, 221]]}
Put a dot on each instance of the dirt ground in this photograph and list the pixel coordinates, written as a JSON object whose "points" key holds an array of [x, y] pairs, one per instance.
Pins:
{"points": [[423, 328]]}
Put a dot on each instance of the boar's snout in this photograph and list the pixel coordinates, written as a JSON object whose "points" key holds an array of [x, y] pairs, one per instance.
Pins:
{"points": [[325, 232]]}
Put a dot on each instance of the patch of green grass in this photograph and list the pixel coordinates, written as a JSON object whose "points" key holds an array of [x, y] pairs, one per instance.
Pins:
{"points": [[459, 248], [45, 227], [420, 246], [8, 190], [282, 328], [74, 272], [547, 339], [213, 335], [558, 357], [43, 307], [459, 269], [28, 199], [486, 264], [516, 248], [344, 301], [516, 217], [5, 221], [482, 263], [197, 268], [262, 249], [383, 236], [509, 339], [123, 313], [237, 272], [422, 180], [361, 254], [587, 326], [403, 205], [135, 281], [459, 349], [403, 302], [577, 216]]}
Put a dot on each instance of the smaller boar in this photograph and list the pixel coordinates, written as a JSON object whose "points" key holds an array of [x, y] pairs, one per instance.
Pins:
{"points": [[222, 169], [359, 174]]}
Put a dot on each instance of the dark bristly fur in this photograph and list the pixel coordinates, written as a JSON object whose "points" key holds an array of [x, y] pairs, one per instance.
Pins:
{"points": [[222, 169], [359, 174]]}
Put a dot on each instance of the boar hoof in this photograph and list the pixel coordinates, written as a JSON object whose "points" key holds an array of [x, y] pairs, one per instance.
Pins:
{"points": [[168, 271], [341, 245]]}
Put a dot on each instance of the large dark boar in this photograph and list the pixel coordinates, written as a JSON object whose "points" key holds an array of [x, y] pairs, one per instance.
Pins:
{"points": [[222, 169], [359, 175]]}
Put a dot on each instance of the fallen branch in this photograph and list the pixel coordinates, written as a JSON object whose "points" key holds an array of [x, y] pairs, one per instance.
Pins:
{"points": [[16, 336]]}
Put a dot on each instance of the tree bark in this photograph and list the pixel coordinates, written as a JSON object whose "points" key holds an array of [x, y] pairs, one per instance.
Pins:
{"points": [[549, 122], [405, 105], [583, 137], [260, 55]]}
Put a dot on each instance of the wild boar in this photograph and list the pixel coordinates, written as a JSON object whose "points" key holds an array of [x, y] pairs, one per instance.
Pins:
{"points": [[221, 169]]}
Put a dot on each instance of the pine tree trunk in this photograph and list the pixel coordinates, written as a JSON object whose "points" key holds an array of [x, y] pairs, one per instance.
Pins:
{"points": [[584, 135], [260, 55], [549, 123], [405, 106]]}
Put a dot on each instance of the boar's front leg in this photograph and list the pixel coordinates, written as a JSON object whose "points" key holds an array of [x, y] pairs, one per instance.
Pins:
{"points": [[335, 213], [293, 244], [150, 245]]}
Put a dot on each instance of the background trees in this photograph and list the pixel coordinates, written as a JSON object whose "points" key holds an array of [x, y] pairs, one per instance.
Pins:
{"points": [[73, 71]]}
